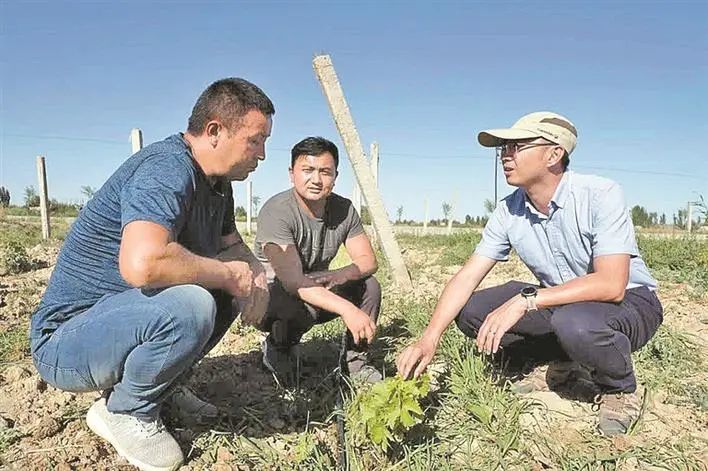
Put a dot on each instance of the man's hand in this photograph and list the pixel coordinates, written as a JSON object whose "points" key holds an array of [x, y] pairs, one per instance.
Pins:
{"points": [[420, 353], [239, 280], [330, 279], [254, 308], [360, 325], [498, 322]]}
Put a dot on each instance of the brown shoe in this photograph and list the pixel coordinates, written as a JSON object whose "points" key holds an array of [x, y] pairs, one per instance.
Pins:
{"points": [[561, 376], [531, 382], [618, 412]]}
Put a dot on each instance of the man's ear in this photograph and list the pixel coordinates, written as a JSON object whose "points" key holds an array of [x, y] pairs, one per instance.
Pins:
{"points": [[555, 156], [212, 131]]}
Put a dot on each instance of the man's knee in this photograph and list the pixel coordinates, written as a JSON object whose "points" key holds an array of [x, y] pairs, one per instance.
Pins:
{"points": [[470, 318], [373, 288], [571, 328], [193, 313]]}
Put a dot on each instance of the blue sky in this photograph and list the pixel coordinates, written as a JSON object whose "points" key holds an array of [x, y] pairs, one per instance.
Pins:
{"points": [[421, 79]]}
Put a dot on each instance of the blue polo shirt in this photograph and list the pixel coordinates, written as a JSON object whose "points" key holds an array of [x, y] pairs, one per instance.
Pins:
{"points": [[587, 218], [161, 183]]}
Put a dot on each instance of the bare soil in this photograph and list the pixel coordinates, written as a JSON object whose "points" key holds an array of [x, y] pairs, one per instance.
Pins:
{"points": [[51, 432]]}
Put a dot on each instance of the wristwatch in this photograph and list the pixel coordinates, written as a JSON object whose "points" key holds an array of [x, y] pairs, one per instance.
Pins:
{"points": [[529, 294]]}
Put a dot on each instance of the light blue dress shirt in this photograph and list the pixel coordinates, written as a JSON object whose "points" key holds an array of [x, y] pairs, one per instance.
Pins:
{"points": [[587, 218]]}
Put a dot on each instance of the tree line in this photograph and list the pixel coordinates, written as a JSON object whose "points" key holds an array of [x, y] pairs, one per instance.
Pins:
{"points": [[641, 217]]}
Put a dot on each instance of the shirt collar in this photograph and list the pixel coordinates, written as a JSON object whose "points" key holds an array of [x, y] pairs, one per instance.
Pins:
{"points": [[562, 190], [559, 198]]}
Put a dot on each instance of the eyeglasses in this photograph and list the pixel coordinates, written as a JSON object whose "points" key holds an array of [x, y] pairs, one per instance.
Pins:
{"points": [[513, 148]]}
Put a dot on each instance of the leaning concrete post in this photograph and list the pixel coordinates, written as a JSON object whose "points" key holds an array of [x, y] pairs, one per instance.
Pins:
{"points": [[356, 198], [345, 125], [43, 197], [374, 156], [249, 205], [136, 139]]}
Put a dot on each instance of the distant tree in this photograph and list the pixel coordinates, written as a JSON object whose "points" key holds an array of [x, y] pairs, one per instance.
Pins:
{"points": [[240, 213], [640, 217], [31, 197], [680, 219], [399, 213], [88, 192], [57, 208], [702, 206], [4, 197], [489, 206], [446, 209], [662, 219]]}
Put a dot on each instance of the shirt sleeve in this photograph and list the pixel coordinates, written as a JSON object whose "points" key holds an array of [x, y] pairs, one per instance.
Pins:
{"points": [[274, 226], [612, 229], [229, 225], [356, 227], [159, 191], [495, 237]]}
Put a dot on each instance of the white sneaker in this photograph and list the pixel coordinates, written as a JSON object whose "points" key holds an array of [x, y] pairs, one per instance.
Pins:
{"points": [[184, 403], [144, 443]]}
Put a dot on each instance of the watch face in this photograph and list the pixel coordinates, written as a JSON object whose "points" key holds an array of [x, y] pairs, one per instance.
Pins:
{"points": [[529, 291]]}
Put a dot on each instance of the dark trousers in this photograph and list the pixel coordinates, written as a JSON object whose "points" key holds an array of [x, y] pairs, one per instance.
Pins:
{"points": [[598, 335], [297, 317]]}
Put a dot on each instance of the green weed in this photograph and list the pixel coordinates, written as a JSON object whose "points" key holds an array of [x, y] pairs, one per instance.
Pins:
{"points": [[14, 258], [673, 361], [14, 345], [386, 411]]}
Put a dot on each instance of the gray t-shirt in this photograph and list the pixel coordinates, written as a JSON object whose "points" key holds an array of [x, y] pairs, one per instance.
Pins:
{"points": [[282, 221]]}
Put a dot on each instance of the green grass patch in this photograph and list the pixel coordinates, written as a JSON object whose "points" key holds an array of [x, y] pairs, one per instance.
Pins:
{"points": [[682, 259], [8, 436], [14, 345], [27, 232], [479, 420], [674, 362], [456, 248]]}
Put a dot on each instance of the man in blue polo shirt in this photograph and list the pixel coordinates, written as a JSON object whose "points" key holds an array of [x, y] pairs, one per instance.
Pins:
{"points": [[144, 283], [595, 296]]}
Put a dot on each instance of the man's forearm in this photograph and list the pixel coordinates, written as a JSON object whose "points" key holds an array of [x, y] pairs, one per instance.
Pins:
{"points": [[325, 299], [451, 302], [177, 265], [590, 287], [238, 250], [456, 294]]}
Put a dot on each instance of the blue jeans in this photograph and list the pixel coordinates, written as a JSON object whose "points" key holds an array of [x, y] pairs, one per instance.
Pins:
{"points": [[599, 335], [134, 343]]}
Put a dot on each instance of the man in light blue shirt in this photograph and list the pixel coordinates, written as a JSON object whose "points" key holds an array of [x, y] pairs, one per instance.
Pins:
{"points": [[595, 299]]}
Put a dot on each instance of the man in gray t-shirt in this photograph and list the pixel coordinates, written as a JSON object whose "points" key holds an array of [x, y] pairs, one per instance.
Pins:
{"points": [[299, 233]]}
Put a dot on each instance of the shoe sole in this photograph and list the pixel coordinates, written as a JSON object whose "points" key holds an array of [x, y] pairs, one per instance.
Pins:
{"points": [[98, 426]]}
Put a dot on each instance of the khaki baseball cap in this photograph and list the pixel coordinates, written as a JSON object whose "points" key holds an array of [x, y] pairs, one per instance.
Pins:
{"points": [[550, 126]]}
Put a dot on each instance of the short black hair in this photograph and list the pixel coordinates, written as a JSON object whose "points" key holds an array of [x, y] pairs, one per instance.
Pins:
{"points": [[314, 146], [228, 100], [565, 160]]}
